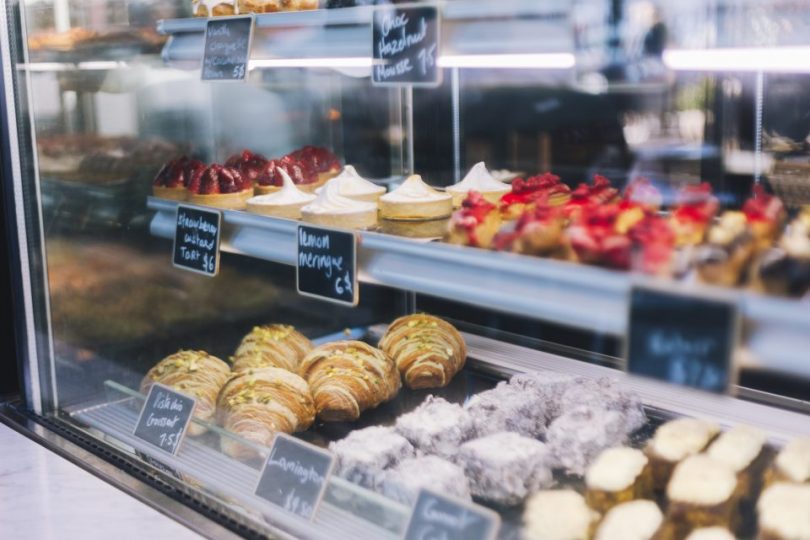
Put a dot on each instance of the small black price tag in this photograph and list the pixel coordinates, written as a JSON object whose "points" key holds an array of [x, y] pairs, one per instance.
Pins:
{"points": [[164, 418], [159, 465], [294, 476], [439, 516], [227, 48], [196, 240], [327, 264], [682, 339], [406, 46]]}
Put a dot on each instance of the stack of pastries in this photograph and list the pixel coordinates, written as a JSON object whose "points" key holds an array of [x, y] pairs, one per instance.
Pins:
{"points": [[279, 381], [224, 8]]}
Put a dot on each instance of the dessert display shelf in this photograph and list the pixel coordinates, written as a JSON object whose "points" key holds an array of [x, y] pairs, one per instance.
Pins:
{"points": [[349, 510], [468, 27], [578, 296]]}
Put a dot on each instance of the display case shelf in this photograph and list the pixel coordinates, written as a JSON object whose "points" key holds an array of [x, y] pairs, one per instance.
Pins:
{"points": [[469, 27], [567, 294]]}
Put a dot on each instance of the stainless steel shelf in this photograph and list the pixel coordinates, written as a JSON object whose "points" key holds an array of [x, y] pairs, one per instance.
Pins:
{"points": [[777, 330], [468, 27]]}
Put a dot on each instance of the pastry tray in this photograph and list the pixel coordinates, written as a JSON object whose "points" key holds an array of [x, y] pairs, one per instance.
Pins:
{"points": [[350, 511]]}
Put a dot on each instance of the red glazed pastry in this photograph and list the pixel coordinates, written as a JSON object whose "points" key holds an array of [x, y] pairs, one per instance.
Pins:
{"points": [[303, 176], [173, 178], [220, 187], [766, 216], [525, 194], [538, 232], [325, 164], [642, 193], [250, 165], [602, 192], [475, 223], [653, 245], [696, 207], [599, 235]]}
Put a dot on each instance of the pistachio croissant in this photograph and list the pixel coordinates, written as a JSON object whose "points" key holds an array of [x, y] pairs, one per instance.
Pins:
{"points": [[428, 351], [348, 377], [195, 373], [255, 404], [272, 345]]}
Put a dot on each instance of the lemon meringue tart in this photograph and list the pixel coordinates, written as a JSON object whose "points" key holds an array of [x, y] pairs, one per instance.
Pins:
{"points": [[415, 200], [481, 180], [353, 186], [285, 203], [331, 209]]}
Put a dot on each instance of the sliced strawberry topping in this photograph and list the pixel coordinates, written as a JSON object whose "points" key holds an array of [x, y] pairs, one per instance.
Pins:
{"points": [[249, 164], [219, 179], [641, 192], [178, 172], [296, 169], [318, 159], [696, 203]]}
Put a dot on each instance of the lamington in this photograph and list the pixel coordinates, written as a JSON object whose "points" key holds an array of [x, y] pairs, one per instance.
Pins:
{"points": [[508, 408], [606, 393], [436, 427], [505, 468], [550, 386], [577, 437], [362, 456], [403, 482]]}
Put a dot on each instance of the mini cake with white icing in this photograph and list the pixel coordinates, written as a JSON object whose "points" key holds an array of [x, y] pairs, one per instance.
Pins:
{"points": [[331, 209], [634, 520], [416, 201], [436, 427], [478, 179], [792, 464], [618, 475], [403, 482], [285, 203], [558, 515], [674, 441], [353, 186], [362, 456], [701, 493], [711, 533], [784, 512], [743, 449], [505, 468]]}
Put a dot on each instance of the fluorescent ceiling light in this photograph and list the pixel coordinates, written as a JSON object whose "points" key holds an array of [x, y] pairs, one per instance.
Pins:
{"points": [[771, 59], [509, 61]]}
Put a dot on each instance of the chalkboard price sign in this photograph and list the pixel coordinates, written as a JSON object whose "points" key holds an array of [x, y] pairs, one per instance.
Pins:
{"points": [[327, 264], [438, 516], [294, 476], [196, 240], [406, 46], [164, 418], [227, 48], [682, 339]]}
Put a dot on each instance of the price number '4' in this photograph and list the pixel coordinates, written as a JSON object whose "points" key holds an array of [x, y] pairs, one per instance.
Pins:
{"points": [[208, 263]]}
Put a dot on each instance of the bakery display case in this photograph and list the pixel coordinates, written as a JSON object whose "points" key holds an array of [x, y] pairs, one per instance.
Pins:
{"points": [[561, 255]]}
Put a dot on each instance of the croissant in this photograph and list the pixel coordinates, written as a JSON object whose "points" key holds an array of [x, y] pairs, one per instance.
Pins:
{"points": [[427, 350], [348, 377], [195, 373], [272, 345], [258, 403]]}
